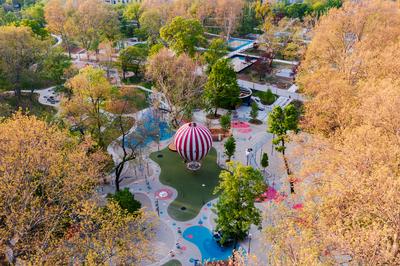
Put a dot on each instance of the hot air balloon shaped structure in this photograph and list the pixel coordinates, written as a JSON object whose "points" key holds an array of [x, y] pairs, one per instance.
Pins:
{"points": [[193, 141]]}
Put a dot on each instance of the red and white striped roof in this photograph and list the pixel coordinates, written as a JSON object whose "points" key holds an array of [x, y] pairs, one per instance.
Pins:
{"points": [[193, 141]]}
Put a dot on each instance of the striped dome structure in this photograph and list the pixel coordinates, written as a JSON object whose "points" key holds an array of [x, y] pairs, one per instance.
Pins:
{"points": [[193, 141]]}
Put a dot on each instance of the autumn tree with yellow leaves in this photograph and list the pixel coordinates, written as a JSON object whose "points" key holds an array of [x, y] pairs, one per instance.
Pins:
{"points": [[350, 166], [48, 208]]}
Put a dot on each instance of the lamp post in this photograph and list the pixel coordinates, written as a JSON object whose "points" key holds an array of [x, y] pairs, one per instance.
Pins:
{"points": [[248, 152], [158, 142], [248, 251]]}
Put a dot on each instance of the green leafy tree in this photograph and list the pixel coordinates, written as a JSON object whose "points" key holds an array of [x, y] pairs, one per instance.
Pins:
{"points": [[264, 161], [55, 64], [254, 112], [230, 147], [221, 89], [154, 49], [20, 52], [132, 12], [280, 123], [126, 200], [239, 186], [132, 58], [215, 51], [151, 22], [298, 10], [183, 35], [225, 122], [90, 92]]}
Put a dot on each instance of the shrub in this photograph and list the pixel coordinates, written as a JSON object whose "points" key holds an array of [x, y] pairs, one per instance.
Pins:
{"points": [[254, 111], [126, 200], [225, 122], [266, 97], [230, 147]]}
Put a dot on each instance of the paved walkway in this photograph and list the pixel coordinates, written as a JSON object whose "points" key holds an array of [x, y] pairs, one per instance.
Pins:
{"points": [[274, 89]]}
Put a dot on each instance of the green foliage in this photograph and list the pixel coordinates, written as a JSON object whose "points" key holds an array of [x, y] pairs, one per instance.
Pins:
{"points": [[55, 64], [132, 59], [35, 26], [126, 200], [291, 51], [266, 97], [154, 49], [34, 12], [239, 186], [298, 10], [281, 122], [225, 121], [151, 22], [216, 50], [254, 111], [221, 89], [264, 160], [132, 12], [183, 35], [230, 147], [249, 20]]}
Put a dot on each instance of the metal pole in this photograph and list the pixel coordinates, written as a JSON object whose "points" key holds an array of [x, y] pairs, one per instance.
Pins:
{"points": [[248, 251]]}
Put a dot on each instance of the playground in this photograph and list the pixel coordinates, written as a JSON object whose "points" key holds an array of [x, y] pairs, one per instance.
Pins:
{"points": [[195, 188]]}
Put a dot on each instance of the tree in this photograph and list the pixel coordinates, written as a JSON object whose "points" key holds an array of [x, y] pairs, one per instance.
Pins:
{"points": [[42, 182], [107, 55], [132, 58], [58, 17], [90, 92], [280, 123], [55, 65], [151, 22], [126, 145], [215, 51], [263, 64], [239, 186], [183, 35], [349, 180], [221, 89], [230, 147], [92, 22], [254, 112], [115, 236], [133, 12], [126, 200], [225, 121], [291, 51], [264, 161], [178, 81], [20, 52], [227, 15], [298, 10]]}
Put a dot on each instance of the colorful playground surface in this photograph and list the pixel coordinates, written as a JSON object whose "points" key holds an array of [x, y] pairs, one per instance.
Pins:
{"points": [[150, 128], [209, 248]]}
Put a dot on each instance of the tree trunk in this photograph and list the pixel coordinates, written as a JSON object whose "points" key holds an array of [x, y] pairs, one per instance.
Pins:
{"points": [[215, 112], [118, 172], [287, 168]]}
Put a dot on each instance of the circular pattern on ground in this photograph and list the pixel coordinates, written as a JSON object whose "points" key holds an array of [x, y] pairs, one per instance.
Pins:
{"points": [[163, 194]]}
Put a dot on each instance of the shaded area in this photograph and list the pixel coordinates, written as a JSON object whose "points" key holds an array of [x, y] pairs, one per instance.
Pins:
{"points": [[28, 103], [192, 195]]}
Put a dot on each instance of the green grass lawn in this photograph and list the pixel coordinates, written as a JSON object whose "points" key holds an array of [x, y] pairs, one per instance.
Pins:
{"points": [[173, 263], [191, 194], [28, 104]]}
